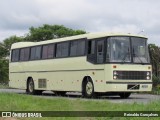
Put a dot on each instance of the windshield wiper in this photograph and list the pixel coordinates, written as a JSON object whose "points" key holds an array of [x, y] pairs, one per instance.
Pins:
{"points": [[125, 56]]}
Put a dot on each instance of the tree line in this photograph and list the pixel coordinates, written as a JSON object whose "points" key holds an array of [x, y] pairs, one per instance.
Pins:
{"points": [[47, 32]]}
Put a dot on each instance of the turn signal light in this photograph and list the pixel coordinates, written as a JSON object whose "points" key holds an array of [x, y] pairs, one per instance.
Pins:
{"points": [[114, 66]]}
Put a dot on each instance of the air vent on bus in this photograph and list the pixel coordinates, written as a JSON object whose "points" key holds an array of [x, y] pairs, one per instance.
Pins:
{"points": [[42, 83]]}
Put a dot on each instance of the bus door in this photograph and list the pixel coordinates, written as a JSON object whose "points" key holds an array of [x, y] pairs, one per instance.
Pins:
{"points": [[100, 51]]}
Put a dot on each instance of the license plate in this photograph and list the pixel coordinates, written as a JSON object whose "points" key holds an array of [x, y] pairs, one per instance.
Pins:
{"points": [[144, 86]]}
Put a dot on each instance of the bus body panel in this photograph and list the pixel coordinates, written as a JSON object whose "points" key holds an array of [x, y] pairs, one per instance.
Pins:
{"points": [[60, 75]]}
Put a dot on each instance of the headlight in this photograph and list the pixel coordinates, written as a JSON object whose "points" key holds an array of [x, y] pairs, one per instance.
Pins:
{"points": [[148, 73], [114, 73], [114, 77], [148, 77]]}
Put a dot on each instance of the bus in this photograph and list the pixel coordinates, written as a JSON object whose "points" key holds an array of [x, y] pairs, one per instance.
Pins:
{"points": [[92, 63]]}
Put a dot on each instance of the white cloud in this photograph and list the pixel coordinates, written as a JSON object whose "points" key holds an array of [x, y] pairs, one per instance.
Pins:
{"points": [[90, 15], [5, 34]]}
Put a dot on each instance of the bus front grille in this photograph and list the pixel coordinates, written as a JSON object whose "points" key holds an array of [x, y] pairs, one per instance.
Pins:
{"points": [[132, 75]]}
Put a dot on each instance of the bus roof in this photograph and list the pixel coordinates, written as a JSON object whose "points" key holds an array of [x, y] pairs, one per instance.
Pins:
{"points": [[88, 36]]}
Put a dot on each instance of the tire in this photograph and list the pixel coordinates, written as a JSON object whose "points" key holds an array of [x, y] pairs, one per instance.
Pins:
{"points": [[124, 95], [88, 88], [30, 88], [60, 93]]}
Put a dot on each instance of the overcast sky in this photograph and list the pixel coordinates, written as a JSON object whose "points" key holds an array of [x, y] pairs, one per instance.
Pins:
{"points": [[128, 16]]}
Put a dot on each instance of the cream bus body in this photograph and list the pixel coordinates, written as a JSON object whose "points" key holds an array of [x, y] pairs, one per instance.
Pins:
{"points": [[70, 73]]}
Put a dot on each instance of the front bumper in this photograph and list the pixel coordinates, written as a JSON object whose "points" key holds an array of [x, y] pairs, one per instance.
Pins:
{"points": [[128, 86]]}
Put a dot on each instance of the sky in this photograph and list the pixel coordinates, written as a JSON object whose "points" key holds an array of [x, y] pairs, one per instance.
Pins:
{"points": [[125, 16]]}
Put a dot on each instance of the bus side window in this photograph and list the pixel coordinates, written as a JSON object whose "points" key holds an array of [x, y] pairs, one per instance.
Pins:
{"points": [[77, 48], [36, 53], [33, 50], [65, 49], [24, 54], [48, 51], [73, 48], [91, 56], [91, 47], [100, 51], [62, 49], [45, 52], [15, 55], [81, 48]]}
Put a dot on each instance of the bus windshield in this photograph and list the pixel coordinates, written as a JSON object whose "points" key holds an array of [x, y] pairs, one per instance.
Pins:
{"points": [[140, 50], [127, 50]]}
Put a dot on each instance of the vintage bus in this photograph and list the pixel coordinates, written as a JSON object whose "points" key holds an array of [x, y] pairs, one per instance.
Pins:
{"points": [[90, 63]]}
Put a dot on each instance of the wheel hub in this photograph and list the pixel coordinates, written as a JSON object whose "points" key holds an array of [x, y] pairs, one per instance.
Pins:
{"points": [[31, 86], [89, 88]]}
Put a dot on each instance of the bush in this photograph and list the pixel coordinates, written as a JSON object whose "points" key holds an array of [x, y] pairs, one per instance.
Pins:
{"points": [[156, 84], [156, 80], [4, 69]]}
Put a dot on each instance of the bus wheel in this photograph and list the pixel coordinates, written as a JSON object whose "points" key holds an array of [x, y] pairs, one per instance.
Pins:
{"points": [[31, 90], [30, 87], [124, 95], [60, 93], [88, 88]]}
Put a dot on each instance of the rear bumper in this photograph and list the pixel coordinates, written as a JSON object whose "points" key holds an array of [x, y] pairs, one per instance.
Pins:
{"points": [[128, 86]]}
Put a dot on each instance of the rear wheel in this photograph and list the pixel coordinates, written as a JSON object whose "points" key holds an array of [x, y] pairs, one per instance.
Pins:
{"points": [[88, 88], [124, 95]]}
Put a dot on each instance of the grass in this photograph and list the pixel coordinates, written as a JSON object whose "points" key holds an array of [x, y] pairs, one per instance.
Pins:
{"points": [[17, 102]]}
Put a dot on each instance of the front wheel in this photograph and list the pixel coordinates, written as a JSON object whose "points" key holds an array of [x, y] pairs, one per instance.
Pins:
{"points": [[124, 95], [88, 89], [30, 88]]}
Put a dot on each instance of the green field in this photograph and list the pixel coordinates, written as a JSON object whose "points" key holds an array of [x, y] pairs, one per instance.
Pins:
{"points": [[21, 102]]}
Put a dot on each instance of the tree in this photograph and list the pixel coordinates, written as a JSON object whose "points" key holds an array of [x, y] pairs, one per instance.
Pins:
{"points": [[47, 32], [4, 70], [4, 52], [155, 58]]}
